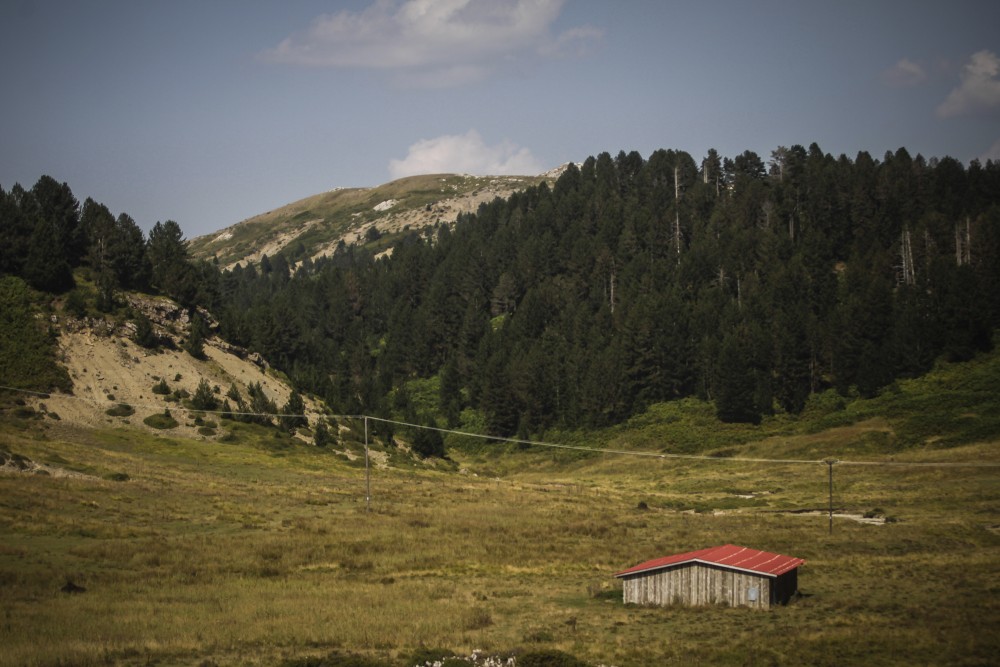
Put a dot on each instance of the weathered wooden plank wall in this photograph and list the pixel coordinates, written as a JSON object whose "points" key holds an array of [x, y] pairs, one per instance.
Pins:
{"points": [[698, 584]]}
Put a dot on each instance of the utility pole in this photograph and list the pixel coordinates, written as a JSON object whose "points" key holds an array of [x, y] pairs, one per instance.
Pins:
{"points": [[829, 464], [368, 476]]}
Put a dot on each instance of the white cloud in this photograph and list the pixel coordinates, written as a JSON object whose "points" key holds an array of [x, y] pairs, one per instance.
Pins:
{"points": [[978, 93], [573, 43], [904, 74], [436, 42], [464, 154]]}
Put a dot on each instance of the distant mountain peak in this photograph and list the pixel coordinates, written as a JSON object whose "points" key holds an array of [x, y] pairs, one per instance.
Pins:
{"points": [[315, 226]]}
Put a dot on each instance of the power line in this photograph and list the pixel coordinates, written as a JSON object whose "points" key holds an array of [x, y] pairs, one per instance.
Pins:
{"points": [[595, 450], [694, 457], [178, 408], [922, 464], [553, 445]]}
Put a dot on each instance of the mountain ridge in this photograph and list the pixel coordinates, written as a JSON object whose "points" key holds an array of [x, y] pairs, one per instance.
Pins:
{"points": [[314, 226]]}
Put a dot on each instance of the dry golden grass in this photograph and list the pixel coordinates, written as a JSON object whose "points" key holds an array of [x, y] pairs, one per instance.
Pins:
{"points": [[246, 554]]}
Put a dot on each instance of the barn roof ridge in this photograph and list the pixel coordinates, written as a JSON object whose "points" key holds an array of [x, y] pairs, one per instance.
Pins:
{"points": [[730, 556]]}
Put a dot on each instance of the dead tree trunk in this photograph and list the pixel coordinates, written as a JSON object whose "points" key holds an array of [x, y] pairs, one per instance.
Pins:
{"points": [[611, 286], [677, 216], [906, 255], [963, 243]]}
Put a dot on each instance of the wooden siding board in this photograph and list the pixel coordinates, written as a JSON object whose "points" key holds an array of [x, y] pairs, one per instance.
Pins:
{"points": [[700, 584]]}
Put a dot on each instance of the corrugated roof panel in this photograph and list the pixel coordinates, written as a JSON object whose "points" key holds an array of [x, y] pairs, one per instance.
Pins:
{"points": [[727, 555]]}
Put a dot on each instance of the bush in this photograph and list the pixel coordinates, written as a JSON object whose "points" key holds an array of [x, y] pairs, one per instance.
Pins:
{"points": [[120, 410], [335, 659], [161, 387], [428, 442], [145, 336], [76, 304], [477, 619], [539, 637], [160, 420], [321, 436], [549, 658], [423, 656]]}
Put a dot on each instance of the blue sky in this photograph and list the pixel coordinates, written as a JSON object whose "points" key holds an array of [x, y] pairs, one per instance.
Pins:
{"points": [[208, 112]]}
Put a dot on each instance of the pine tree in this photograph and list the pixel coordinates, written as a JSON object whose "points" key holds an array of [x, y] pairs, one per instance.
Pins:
{"points": [[450, 394], [145, 336], [293, 413], [168, 257], [195, 345], [428, 442], [46, 267], [321, 434], [204, 397]]}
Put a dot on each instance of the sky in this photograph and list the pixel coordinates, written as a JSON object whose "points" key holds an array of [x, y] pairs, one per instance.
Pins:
{"points": [[210, 112]]}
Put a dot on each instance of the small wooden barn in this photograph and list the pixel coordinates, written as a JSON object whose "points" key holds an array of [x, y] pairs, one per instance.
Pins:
{"points": [[729, 575]]}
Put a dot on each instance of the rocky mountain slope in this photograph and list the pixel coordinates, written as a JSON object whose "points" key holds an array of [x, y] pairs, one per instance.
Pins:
{"points": [[109, 370], [315, 226]]}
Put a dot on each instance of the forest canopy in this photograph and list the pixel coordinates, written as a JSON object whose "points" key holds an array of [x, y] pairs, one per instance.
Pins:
{"points": [[632, 281], [629, 281]]}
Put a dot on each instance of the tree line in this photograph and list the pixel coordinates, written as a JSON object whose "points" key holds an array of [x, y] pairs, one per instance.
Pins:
{"points": [[45, 234], [632, 281], [629, 281]]}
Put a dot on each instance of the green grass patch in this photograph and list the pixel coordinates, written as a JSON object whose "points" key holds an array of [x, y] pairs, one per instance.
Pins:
{"points": [[264, 550]]}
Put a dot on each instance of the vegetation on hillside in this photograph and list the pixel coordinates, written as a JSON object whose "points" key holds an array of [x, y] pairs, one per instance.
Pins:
{"points": [[27, 356], [259, 551], [634, 281], [630, 282], [629, 307], [303, 228]]}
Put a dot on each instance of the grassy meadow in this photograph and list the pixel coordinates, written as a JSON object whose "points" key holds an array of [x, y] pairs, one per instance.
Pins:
{"points": [[258, 551]]}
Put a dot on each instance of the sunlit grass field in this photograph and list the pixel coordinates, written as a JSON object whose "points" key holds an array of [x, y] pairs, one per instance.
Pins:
{"points": [[258, 551]]}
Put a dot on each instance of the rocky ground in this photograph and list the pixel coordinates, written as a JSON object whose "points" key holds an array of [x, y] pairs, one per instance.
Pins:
{"points": [[108, 368]]}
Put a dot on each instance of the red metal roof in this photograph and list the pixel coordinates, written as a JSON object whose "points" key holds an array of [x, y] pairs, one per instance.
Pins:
{"points": [[728, 555]]}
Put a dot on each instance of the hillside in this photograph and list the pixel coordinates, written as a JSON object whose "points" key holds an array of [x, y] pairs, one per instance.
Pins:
{"points": [[314, 226], [679, 350], [108, 368], [261, 551], [220, 541], [104, 377], [627, 282], [634, 281]]}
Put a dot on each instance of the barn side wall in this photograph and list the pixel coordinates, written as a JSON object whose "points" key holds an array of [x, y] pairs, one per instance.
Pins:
{"points": [[785, 586], [698, 584]]}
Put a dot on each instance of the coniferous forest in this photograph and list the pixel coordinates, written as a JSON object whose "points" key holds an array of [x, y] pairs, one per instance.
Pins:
{"points": [[628, 282]]}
